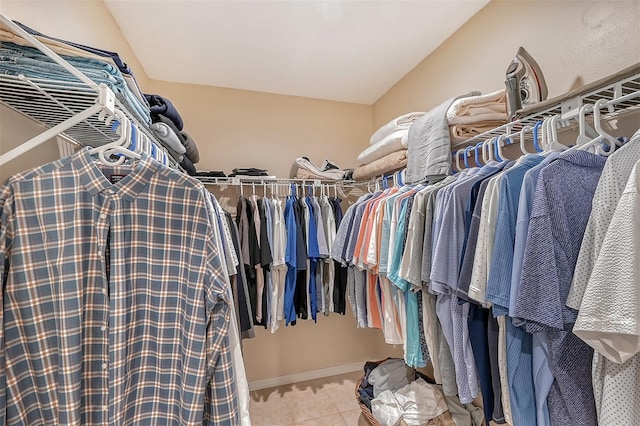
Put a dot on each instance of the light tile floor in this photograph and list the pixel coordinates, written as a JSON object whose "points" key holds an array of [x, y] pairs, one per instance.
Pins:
{"points": [[329, 401]]}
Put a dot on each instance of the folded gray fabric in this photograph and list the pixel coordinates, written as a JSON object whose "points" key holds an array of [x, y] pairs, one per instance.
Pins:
{"points": [[429, 150], [392, 374], [192, 150], [167, 137]]}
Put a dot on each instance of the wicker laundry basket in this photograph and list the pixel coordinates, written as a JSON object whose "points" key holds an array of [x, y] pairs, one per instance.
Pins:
{"points": [[365, 410]]}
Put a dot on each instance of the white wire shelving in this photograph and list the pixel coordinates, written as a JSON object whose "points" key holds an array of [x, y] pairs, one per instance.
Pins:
{"points": [[622, 97], [72, 111]]}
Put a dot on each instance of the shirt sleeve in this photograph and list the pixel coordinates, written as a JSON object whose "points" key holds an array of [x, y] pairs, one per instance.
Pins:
{"points": [[538, 299], [499, 280], [609, 318], [6, 215], [221, 406]]}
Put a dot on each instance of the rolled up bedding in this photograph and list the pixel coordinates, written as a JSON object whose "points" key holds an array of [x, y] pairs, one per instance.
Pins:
{"points": [[390, 163]]}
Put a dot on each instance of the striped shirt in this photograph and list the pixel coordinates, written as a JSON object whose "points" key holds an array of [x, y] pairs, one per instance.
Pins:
{"points": [[116, 309]]}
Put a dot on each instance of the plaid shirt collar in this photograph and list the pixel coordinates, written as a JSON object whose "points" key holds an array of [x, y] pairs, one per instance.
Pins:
{"points": [[128, 187]]}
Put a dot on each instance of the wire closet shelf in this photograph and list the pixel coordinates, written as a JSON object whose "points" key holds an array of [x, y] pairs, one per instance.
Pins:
{"points": [[622, 98]]}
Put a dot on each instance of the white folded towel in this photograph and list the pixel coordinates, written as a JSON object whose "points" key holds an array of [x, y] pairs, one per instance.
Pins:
{"points": [[474, 109], [400, 123], [396, 141]]}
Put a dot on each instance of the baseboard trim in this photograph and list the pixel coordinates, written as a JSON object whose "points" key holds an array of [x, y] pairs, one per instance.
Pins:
{"points": [[307, 375]]}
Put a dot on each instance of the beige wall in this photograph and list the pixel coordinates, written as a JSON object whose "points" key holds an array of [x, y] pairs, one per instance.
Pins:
{"points": [[574, 42], [236, 128]]}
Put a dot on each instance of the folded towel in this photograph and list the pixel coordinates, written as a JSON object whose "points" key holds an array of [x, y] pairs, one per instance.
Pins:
{"points": [[429, 154], [192, 149], [396, 141], [390, 163], [400, 123], [304, 163], [462, 132], [473, 109], [188, 166], [160, 105], [167, 137]]}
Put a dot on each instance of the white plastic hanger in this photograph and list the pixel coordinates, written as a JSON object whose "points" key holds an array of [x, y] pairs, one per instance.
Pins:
{"points": [[582, 138], [597, 124], [476, 154], [499, 141], [116, 147], [487, 153], [552, 142], [522, 132]]}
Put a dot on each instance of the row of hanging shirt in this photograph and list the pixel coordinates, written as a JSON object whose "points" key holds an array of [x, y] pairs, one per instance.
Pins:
{"points": [[285, 253], [474, 273], [100, 261]]}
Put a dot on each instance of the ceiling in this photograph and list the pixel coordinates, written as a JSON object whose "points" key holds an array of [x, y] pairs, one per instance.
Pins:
{"points": [[351, 51]]}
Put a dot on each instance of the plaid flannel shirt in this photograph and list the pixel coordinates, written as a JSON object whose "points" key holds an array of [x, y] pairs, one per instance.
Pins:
{"points": [[116, 309]]}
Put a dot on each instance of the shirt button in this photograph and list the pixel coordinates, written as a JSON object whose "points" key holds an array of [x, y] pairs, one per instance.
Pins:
{"points": [[103, 216], [105, 408], [110, 191], [104, 291], [103, 328], [104, 365]]}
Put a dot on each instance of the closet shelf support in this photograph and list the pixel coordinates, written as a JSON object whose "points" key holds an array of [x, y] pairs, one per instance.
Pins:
{"points": [[48, 134]]}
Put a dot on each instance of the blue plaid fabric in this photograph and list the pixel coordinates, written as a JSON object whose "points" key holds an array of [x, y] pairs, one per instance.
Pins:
{"points": [[115, 306]]}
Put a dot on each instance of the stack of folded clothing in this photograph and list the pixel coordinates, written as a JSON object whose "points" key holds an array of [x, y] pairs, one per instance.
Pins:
{"points": [[69, 48], [305, 169], [168, 128], [251, 172], [388, 149], [472, 115], [33, 64]]}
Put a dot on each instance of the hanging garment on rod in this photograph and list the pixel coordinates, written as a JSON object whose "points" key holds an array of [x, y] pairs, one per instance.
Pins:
{"points": [[476, 248], [129, 245], [289, 272]]}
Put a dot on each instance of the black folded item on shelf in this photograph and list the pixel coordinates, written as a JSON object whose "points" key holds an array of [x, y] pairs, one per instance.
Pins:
{"points": [[188, 166], [249, 172], [163, 106], [211, 173]]}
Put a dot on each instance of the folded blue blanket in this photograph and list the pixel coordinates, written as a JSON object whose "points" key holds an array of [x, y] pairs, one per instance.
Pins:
{"points": [[163, 106], [31, 63], [99, 52]]}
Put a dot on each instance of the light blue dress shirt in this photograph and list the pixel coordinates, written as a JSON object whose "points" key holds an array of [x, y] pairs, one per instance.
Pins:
{"points": [[542, 374]]}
